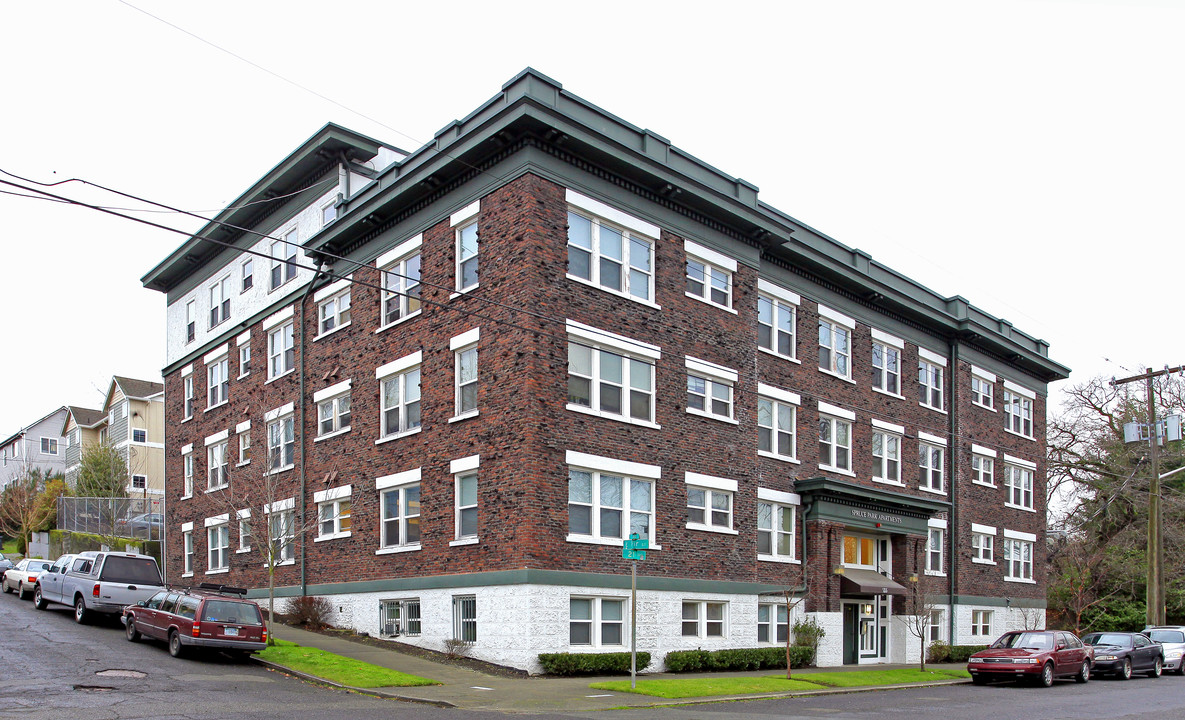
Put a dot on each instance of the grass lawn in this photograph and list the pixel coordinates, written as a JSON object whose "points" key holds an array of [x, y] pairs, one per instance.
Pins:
{"points": [[9, 547], [337, 668], [707, 687], [702, 687]]}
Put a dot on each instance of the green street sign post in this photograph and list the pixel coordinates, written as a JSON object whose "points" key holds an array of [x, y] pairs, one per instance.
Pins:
{"points": [[634, 549]]}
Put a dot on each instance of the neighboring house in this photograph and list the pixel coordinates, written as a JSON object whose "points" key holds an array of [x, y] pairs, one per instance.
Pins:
{"points": [[132, 420], [548, 329], [39, 445]]}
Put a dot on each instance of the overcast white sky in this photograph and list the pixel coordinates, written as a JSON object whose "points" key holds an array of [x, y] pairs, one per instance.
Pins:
{"points": [[1026, 155]]}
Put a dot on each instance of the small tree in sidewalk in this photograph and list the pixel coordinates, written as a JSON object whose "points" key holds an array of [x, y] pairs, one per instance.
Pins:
{"points": [[919, 609]]}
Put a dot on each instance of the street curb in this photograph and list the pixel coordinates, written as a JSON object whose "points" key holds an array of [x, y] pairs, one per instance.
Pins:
{"points": [[789, 695], [365, 691]]}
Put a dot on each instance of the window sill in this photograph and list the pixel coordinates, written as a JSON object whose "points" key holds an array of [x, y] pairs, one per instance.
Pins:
{"points": [[711, 528], [188, 574], [1020, 580], [272, 289], [185, 497], [886, 392], [777, 559], [618, 293], [219, 571], [333, 434], [282, 563], [882, 481], [397, 436], [463, 291], [186, 419], [985, 407], [335, 536], [775, 456], [837, 471], [619, 418], [241, 551], [610, 542], [983, 484], [834, 374], [400, 549], [400, 321], [787, 358], [277, 377], [216, 488], [245, 462], [246, 374], [932, 491], [706, 301], [977, 561], [712, 416], [1019, 507], [283, 468], [463, 416], [932, 573], [327, 333], [215, 407], [931, 407], [1019, 435], [464, 541]]}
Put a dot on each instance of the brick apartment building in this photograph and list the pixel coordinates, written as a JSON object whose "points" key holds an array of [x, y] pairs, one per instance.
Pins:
{"points": [[477, 367]]}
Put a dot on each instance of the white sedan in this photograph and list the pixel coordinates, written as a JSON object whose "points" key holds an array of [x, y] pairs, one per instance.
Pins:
{"points": [[23, 578]]}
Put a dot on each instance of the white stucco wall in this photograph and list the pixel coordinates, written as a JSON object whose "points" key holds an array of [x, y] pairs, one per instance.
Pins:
{"points": [[831, 646], [1003, 620]]}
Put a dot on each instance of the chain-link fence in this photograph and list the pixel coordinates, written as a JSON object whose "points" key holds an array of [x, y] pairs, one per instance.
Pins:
{"points": [[141, 518]]}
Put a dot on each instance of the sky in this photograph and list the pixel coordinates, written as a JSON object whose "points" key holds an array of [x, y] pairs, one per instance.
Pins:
{"points": [[1025, 155]]}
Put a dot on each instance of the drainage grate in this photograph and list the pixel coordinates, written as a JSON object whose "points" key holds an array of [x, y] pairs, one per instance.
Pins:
{"points": [[121, 673]]}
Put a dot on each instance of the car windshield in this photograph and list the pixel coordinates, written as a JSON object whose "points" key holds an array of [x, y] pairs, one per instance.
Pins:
{"points": [[228, 611], [1169, 636], [1117, 639], [1027, 640], [130, 570]]}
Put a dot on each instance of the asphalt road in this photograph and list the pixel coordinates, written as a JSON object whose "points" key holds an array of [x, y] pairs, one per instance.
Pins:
{"points": [[54, 669]]}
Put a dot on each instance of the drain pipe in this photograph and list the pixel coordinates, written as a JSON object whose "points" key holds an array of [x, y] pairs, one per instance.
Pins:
{"points": [[301, 426], [952, 532]]}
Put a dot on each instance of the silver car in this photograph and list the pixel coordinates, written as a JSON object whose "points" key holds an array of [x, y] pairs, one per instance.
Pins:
{"points": [[22, 578], [1172, 637]]}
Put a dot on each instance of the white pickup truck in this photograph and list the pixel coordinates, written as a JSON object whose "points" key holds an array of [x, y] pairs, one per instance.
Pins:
{"points": [[98, 582]]}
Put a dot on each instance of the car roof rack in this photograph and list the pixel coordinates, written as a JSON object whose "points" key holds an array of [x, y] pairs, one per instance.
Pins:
{"points": [[223, 588]]}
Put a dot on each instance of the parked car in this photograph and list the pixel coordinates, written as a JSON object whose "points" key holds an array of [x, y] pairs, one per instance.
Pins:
{"points": [[1121, 653], [51, 580], [144, 525], [1172, 639], [101, 582], [5, 564], [1034, 655], [22, 578], [210, 616]]}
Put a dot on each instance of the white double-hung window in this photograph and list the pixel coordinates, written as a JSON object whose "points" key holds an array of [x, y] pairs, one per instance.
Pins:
{"points": [[1018, 409], [281, 438], [216, 460], [1018, 481], [333, 409], [1018, 556], [400, 519], [284, 259], [610, 375], [218, 543], [983, 466], [709, 275], [777, 312], [281, 356], [217, 376], [464, 347], [709, 389], [609, 499], [886, 362], [775, 524], [187, 390], [281, 523], [220, 301], [777, 410], [983, 388], [333, 306], [935, 544], [983, 544], [399, 383], [401, 281], [835, 438], [333, 513], [610, 249], [931, 451], [886, 451], [465, 228], [835, 342], [187, 471], [464, 472], [596, 621], [710, 502], [931, 368]]}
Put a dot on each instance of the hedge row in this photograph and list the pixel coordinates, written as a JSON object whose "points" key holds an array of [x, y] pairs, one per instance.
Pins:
{"points": [[590, 663], [738, 659], [940, 652]]}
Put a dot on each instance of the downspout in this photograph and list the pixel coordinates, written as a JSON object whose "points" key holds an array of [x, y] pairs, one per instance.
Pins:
{"points": [[301, 419], [952, 533], [802, 589]]}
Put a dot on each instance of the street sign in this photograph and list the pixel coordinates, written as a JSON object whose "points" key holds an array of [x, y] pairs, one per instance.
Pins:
{"points": [[635, 547]]}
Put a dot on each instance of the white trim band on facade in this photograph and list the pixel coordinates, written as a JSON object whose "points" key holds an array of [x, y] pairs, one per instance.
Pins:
{"points": [[990, 377], [983, 529], [222, 519], [932, 439], [936, 523], [465, 213], [777, 393], [407, 477], [710, 481], [606, 339], [187, 449], [1018, 535], [613, 465], [468, 337], [275, 319], [403, 249], [781, 293], [332, 289], [826, 408], [1020, 390], [464, 464], [187, 370], [243, 514], [187, 526], [337, 493], [243, 427], [280, 505], [217, 437], [837, 317], [708, 254], [333, 390], [981, 450], [885, 338], [398, 366], [612, 214], [931, 356], [1011, 460], [785, 498], [216, 354], [712, 370], [243, 339], [279, 412], [882, 425]]}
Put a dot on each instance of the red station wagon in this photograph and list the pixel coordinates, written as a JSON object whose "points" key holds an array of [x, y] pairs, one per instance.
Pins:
{"points": [[1035, 655], [210, 616]]}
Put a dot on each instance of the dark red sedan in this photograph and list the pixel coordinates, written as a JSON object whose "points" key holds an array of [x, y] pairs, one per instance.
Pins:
{"points": [[1037, 656]]}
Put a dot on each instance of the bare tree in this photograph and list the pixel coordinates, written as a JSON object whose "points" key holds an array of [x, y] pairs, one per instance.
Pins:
{"points": [[1030, 618], [919, 609], [26, 505], [791, 600]]}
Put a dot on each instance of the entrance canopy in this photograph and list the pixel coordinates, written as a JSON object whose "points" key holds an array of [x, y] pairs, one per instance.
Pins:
{"points": [[867, 508], [867, 582]]}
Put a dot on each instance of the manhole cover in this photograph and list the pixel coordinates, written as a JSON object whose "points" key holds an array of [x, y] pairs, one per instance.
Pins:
{"points": [[93, 688], [121, 673]]}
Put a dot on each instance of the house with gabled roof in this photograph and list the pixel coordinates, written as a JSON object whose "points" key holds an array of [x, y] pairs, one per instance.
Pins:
{"points": [[37, 445]]}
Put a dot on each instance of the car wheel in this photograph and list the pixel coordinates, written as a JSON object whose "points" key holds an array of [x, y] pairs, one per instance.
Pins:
{"points": [[80, 613], [1157, 669], [6, 588], [1046, 679], [130, 628], [1125, 671], [38, 600], [1083, 673], [20, 591], [176, 649], [1181, 670]]}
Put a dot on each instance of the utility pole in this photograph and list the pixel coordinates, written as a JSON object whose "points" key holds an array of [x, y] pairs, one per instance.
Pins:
{"points": [[1155, 593]]}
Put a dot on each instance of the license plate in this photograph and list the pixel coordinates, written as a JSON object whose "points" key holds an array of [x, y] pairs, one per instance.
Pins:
{"points": [[232, 631]]}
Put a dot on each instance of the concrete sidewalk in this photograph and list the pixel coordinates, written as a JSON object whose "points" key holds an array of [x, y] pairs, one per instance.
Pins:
{"points": [[472, 690]]}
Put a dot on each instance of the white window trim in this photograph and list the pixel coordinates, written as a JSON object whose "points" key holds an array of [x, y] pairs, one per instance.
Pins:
{"points": [[331, 495], [333, 391], [395, 367], [780, 294], [712, 258], [1020, 390], [333, 291], [835, 411], [612, 214], [462, 343], [778, 497], [778, 395], [719, 484], [276, 319], [931, 439], [612, 341], [392, 482], [719, 375], [897, 431], [931, 357], [986, 454], [613, 466], [383, 263], [990, 378], [936, 524], [457, 468]]}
